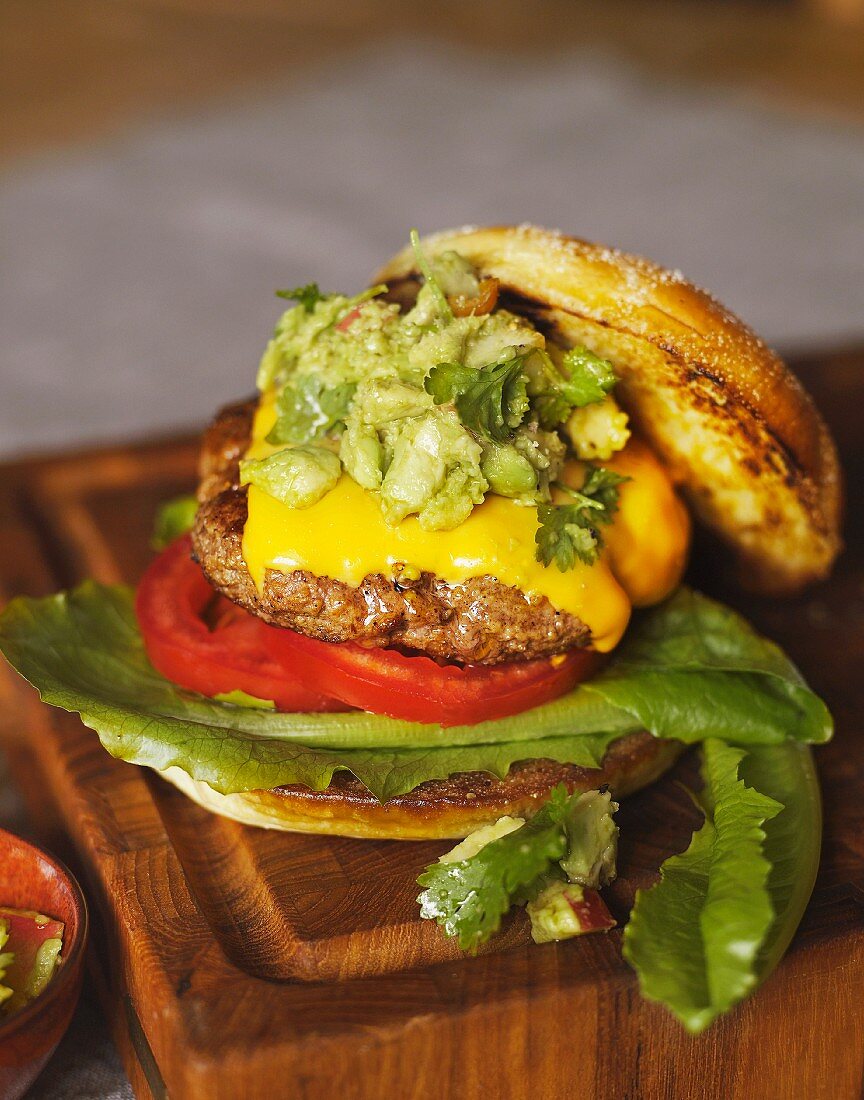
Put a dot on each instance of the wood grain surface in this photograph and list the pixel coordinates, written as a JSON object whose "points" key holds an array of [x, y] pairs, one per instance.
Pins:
{"points": [[238, 963]]}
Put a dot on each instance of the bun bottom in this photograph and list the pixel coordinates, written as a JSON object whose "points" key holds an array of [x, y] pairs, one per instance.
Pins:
{"points": [[440, 809]]}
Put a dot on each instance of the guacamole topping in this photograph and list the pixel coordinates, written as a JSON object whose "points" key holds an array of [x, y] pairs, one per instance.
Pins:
{"points": [[432, 409]]}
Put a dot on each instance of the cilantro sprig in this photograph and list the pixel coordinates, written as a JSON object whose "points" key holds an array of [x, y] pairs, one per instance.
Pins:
{"points": [[307, 296], [571, 532], [491, 401], [584, 380], [573, 838], [469, 898]]}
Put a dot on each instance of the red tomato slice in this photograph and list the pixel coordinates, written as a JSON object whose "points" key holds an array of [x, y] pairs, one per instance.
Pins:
{"points": [[303, 674], [239, 653]]}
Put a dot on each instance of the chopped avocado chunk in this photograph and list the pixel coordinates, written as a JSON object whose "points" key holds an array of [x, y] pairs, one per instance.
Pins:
{"points": [[472, 342], [44, 965], [477, 840], [592, 840], [363, 455], [434, 471], [525, 467], [382, 401], [432, 408], [455, 275], [565, 909], [337, 340], [432, 296], [509, 473], [298, 476]]}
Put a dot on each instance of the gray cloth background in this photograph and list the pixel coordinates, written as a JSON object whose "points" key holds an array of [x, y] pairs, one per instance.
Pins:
{"points": [[139, 273]]}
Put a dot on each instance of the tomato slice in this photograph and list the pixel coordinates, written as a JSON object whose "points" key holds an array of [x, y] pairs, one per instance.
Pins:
{"points": [[304, 674], [239, 652], [387, 681]]}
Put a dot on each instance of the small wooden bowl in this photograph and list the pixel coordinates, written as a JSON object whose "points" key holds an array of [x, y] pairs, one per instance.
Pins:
{"points": [[31, 879]]}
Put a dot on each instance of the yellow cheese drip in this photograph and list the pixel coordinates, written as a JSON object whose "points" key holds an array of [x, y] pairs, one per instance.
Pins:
{"points": [[344, 536], [647, 543]]}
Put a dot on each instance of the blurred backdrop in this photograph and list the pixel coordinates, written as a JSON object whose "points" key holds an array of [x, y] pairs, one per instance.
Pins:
{"points": [[168, 163]]}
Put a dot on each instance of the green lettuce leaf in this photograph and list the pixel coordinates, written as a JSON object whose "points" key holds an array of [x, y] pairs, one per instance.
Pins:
{"points": [[173, 519], [84, 653], [692, 669], [725, 910], [793, 839]]}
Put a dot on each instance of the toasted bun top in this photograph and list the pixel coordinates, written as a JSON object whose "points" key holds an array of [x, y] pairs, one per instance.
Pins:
{"points": [[736, 428]]}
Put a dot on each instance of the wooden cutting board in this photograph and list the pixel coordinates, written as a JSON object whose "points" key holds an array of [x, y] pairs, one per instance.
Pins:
{"points": [[236, 963]]}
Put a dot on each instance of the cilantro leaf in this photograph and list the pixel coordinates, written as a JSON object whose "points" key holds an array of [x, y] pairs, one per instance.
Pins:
{"points": [[589, 378], [552, 408], [471, 888], [601, 485], [469, 898], [568, 532], [309, 409], [491, 401], [307, 296], [586, 380]]}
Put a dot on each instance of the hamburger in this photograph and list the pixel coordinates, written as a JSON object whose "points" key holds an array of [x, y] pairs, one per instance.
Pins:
{"points": [[432, 577]]}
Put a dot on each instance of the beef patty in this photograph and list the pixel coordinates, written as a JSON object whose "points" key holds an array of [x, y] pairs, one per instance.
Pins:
{"points": [[479, 620]]}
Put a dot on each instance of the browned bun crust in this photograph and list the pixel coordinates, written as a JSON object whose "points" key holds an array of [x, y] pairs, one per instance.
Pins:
{"points": [[732, 423], [480, 620], [224, 444], [440, 808]]}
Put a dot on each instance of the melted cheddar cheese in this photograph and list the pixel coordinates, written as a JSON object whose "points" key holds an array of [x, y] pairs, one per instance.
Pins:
{"points": [[344, 536], [648, 541]]}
